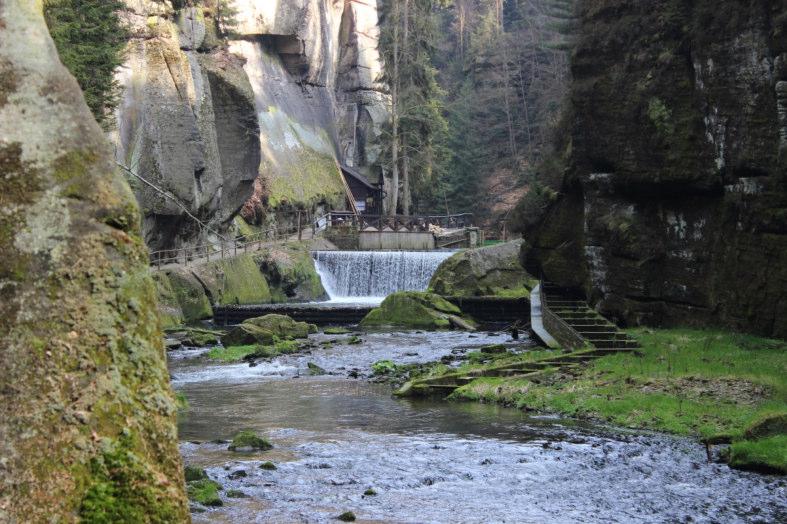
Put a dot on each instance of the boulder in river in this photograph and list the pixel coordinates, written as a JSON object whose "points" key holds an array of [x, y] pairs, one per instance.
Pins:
{"points": [[414, 309], [486, 271], [266, 329], [247, 439]]}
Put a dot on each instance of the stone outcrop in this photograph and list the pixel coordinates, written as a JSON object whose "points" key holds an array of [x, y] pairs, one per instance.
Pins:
{"points": [[486, 271], [673, 208], [87, 417], [261, 119]]}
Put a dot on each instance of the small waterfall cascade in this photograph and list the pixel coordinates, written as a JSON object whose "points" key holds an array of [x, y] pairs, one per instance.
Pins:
{"points": [[370, 276]]}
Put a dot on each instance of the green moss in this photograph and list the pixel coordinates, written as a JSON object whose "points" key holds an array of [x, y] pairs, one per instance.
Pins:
{"points": [[660, 116], [169, 310], [205, 492], [370, 492], [290, 272], [347, 516], [232, 353], [767, 455], [244, 229], [236, 494], [314, 369], [383, 367], [336, 331], [242, 282], [270, 466], [412, 309], [249, 439], [181, 402], [192, 473], [120, 488], [190, 295]]}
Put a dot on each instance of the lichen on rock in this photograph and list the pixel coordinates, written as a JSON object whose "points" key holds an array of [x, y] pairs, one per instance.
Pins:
{"points": [[79, 303]]}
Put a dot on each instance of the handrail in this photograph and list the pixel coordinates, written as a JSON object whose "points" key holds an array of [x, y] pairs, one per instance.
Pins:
{"points": [[549, 316], [397, 222]]}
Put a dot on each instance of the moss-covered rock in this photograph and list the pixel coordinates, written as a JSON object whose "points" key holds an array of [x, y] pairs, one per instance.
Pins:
{"points": [[486, 271], [414, 309], [192, 473], [234, 280], [290, 272], [269, 466], [267, 330], [169, 309], [205, 492], [87, 415], [248, 440], [191, 296]]}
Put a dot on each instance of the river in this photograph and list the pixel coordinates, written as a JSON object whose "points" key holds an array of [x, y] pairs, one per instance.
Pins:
{"points": [[336, 436]]}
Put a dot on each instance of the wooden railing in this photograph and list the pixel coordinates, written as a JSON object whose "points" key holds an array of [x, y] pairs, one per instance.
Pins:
{"points": [[395, 222]]}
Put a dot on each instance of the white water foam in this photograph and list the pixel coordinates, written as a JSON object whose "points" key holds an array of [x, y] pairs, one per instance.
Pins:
{"points": [[369, 276]]}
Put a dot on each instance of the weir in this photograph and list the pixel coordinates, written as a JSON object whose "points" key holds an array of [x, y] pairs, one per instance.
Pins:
{"points": [[370, 276]]}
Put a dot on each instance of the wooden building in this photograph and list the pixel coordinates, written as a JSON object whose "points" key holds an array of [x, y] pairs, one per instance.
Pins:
{"points": [[368, 197]]}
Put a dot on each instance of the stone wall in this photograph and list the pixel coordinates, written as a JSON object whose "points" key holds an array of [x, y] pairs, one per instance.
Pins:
{"points": [[673, 208]]}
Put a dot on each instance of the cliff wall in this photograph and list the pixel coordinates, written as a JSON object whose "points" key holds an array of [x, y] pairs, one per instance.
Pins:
{"points": [[87, 417], [673, 206], [259, 117]]}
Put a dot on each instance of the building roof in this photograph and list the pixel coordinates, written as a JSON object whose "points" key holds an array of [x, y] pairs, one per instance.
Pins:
{"points": [[351, 172]]}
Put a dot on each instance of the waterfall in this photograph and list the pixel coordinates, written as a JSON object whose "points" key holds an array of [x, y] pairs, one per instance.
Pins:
{"points": [[370, 276]]}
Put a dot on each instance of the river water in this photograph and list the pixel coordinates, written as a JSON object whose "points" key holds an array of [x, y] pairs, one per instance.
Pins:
{"points": [[336, 436]]}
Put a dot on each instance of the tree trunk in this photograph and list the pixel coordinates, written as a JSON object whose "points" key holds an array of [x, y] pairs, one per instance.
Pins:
{"points": [[394, 202], [406, 197]]}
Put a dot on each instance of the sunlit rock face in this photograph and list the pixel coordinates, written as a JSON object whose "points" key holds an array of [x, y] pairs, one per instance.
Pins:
{"points": [[87, 417], [674, 206], [294, 92]]}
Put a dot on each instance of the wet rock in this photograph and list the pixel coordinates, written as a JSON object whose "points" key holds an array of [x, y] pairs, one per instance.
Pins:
{"points": [[266, 330], [248, 440], [494, 349], [347, 516], [236, 494], [269, 466], [238, 474], [370, 492], [192, 473], [314, 369]]}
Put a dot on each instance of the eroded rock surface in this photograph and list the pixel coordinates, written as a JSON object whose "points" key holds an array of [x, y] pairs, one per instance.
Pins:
{"points": [[674, 205], [87, 417]]}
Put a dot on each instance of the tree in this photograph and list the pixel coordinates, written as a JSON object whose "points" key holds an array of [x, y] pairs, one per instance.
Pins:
{"points": [[90, 39]]}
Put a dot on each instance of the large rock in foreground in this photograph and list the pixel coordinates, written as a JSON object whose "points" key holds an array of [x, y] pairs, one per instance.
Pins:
{"points": [[87, 417], [486, 271], [266, 330], [417, 310]]}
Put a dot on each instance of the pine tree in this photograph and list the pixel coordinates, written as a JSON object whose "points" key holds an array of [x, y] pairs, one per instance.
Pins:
{"points": [[90, 39]]}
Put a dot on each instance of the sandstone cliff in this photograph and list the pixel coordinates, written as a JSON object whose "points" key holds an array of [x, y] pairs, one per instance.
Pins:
{"points": [[673, 208], [87, 418], [290, 91]]}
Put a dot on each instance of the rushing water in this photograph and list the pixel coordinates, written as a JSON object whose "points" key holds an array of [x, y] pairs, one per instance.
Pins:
{"points": [[428, 461], [372, 275]]}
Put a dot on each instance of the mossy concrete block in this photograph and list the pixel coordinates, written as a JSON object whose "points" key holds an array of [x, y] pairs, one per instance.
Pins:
{"points": [[487, 271], [234, 280], [413, 309], [169, 309], [190, 293]]}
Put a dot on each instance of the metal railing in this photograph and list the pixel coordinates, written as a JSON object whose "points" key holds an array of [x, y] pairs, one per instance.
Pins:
{"points": [[419, 223], [222, 249], [560, 330]]}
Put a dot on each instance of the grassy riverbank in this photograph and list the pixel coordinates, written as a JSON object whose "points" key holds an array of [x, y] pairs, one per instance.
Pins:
{"points": [[714, 385]]}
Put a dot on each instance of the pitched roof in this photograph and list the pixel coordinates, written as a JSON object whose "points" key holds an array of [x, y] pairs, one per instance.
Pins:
{"points": [[351, 172]]}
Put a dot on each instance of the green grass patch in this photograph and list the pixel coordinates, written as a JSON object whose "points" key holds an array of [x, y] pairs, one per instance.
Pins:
{"points": [[767, 455], [683, 381], [205, 492]]}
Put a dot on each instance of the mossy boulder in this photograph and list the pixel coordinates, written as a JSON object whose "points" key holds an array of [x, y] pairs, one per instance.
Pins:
{"points": [[486, 271], [192, 473], [235, 280], [290, 272], [190, 295], [248, 440], [267, 330], [417, 310], [205, 492]]}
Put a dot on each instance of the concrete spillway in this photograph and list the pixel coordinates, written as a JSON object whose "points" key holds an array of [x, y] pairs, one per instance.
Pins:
{"points": [[370, 276]]}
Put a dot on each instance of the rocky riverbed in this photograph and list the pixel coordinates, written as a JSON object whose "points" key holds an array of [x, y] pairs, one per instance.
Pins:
{"points": [[345, 444]]}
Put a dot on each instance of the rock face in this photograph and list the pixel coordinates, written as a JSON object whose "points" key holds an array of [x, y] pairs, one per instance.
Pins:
{"points": [[487, 271], [259, 120], [87, 417], [674, 204]]}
